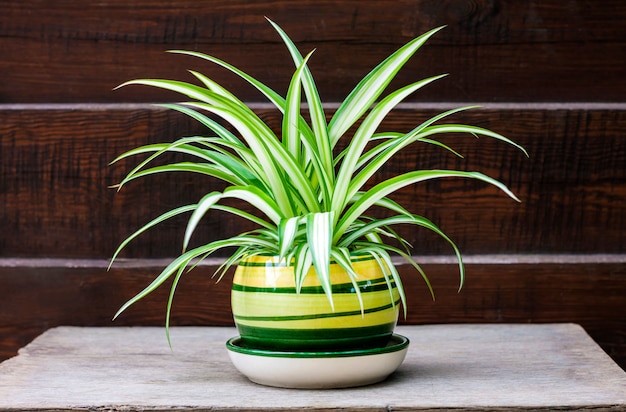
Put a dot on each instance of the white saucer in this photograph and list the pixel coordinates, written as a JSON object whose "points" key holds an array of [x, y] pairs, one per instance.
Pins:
{"points": [[318, 370]]}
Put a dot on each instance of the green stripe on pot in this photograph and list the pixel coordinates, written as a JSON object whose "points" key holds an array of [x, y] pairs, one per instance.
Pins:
{"points": [[295, 339], [282, 263], [354, 321], [364, 286], [239, 318]]}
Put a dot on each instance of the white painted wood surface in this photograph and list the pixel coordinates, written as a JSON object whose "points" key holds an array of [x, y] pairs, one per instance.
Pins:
{"points": [[469, 367]]}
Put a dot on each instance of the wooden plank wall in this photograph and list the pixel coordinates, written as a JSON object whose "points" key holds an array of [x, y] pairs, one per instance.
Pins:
{"points": [[548, 74]]}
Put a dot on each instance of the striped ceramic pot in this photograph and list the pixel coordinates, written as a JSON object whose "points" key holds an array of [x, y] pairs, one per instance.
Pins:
{"points": [[270, 314]]}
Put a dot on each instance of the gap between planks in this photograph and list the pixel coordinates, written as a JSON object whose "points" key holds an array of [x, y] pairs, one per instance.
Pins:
{"points": [[332, 106], [498, 259]]}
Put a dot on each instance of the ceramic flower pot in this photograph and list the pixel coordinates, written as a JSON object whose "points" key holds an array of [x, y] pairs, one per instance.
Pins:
{"points": [[269, 314]]}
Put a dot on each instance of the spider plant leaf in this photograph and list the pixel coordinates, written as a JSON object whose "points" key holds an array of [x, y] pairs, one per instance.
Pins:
{"points": [[153, 222], [419, 270], [441, 145], [291, 116], [371, 87], [389, 232], [252, 218], [319, 230], [316, 110], [375, 158], [397, 280], [375, 243], [257, 198], [391, 185], [302, 264], [213, 86], [422, 221], [342, 257], [276, 162], [187, 89], [211, 124], [394, 146], [239, 115], [375, 153], [260, 139], [257, 134], [170, 300], [270, 94], [201, 168], [182, 261], [390, 272], [183, 146], [375, 224], [361, 138], [229, 262], [391, 275], [251, 241], [232, 167], [224, 149], [173, 267], [461, 128], [320, 178], [287, 230], [201, 209], [419, 221], [179, 146], [385, 202]]}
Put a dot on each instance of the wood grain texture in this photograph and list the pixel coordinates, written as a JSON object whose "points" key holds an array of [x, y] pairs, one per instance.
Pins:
{"points": [[447, 367], [588, 290], [505, 50], [55, 199]]}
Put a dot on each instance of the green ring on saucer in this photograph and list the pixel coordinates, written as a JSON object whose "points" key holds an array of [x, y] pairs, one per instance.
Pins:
{"points": [[395, 343]]}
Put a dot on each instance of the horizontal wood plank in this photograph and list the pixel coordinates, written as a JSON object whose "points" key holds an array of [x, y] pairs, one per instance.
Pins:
{"points": [[56, 199], [507, 50], [585, 289]]}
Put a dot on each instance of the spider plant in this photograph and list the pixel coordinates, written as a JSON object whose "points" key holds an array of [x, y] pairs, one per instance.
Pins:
{"points": [[311, 197]]}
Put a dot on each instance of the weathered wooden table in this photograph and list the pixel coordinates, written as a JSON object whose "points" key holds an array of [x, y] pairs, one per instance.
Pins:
{"points": [[468, 367]]}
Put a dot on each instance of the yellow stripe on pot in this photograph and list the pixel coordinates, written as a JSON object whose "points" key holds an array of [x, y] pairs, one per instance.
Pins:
{"points": [[274, 304], [341, 320], [270, 272]]}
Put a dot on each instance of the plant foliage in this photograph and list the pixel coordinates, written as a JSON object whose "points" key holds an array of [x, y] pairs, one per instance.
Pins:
{"points": [[311, 197]]}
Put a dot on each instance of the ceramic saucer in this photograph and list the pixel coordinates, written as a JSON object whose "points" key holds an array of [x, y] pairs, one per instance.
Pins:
{"points": [[316, 370]]}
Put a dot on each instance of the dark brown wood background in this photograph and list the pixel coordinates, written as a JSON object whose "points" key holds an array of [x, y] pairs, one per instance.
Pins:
{"points": [[548, 74]]}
